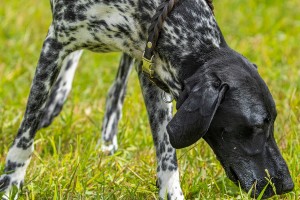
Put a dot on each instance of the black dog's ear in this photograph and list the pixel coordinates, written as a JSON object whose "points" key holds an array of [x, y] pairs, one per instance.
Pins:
{"points": [[195, 113]]}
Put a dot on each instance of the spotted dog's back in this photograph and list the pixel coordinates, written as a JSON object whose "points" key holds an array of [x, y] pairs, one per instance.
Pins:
{"points": [[102, 26]]}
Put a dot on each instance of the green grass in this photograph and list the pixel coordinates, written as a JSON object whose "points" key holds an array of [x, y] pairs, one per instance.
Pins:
{"points": [[65, 164]]}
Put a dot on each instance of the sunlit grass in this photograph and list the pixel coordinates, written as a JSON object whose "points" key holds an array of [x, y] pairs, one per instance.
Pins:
{"points": [[66, 165]]}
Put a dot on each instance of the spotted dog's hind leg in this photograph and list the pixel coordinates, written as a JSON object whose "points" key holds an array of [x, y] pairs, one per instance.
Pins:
{"points": [[61, 89], [19, 155], [114, 104], [159, 114]]}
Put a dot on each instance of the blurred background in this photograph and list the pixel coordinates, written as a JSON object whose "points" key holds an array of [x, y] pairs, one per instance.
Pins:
{"points": [[65, 164]]}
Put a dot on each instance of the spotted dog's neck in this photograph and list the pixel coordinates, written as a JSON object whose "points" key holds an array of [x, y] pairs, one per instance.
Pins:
{"points": [[188, 39]]}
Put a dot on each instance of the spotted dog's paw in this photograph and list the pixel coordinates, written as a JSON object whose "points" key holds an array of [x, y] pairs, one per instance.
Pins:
{"points": [[171, 190], [173, 193], [9, 188], [109, 147]]}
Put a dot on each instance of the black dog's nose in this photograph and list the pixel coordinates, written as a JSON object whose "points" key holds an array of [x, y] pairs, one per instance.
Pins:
{"points": [[286, 187], [282, 186]]}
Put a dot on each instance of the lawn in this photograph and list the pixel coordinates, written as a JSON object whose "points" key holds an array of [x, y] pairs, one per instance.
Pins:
{"points": [[66, 165]]}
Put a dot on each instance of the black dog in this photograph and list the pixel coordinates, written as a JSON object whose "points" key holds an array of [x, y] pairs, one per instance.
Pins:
{"points": [[220, 95]]}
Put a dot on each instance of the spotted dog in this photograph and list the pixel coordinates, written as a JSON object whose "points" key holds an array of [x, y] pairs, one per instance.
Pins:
{"points": [[219, 93]]}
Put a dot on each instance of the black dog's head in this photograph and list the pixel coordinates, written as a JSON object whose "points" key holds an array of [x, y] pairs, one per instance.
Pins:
{"points": [[228, 104]]}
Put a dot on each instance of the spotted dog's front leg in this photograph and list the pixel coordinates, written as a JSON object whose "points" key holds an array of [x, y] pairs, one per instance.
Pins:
{"points": [[20, 152], [114, 104], [159, 114], [61, 89]]}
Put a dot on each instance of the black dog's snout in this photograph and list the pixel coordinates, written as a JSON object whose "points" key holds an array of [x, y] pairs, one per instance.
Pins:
{"points": [[277, 186], [285, 186]]}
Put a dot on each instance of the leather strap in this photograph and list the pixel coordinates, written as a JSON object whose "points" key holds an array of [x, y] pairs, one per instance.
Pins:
{"points": [[153, 33]]}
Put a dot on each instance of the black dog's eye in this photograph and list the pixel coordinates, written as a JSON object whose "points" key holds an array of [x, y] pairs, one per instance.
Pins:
{"points": [[255, 65]]}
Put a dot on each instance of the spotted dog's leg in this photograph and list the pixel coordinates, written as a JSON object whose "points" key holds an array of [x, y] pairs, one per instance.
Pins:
{"points": [[114, 104], [159, 114], [61, 89], [20, 152]]}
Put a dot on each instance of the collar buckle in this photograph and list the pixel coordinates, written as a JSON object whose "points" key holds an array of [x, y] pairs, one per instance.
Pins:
{"points": [[148, 66]]}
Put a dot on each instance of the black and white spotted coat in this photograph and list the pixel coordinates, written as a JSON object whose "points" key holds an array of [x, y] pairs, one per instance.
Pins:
{"points": [[189, 33]]}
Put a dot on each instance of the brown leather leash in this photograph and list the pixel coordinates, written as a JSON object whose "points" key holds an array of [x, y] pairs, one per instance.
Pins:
{"points": [[154, 30]]}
